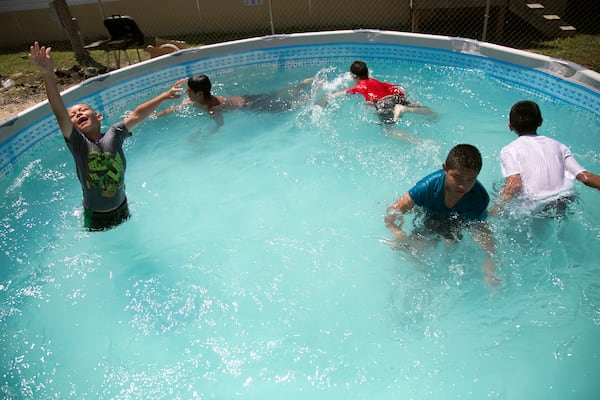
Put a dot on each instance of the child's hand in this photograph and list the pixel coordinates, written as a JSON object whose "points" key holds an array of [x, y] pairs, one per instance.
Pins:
{"points": [[490, 276], [40, 57], [397, 232], [176, 91], [492, 280]]}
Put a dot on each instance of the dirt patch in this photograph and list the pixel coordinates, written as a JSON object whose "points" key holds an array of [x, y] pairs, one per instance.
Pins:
{"points": [[16, 99], [21, 91]]}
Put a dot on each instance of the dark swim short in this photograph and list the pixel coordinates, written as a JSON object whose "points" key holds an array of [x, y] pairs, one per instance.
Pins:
{"points": [[267, 102], [385, 107], [556, 209], [447, 228], [101, 221]]}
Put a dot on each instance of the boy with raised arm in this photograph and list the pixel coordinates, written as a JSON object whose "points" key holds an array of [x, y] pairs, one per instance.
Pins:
{"points": [[451, 199], [99, 158]]}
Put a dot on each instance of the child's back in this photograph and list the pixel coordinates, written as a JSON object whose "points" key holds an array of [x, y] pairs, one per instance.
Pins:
{"points": [[542, 163]]}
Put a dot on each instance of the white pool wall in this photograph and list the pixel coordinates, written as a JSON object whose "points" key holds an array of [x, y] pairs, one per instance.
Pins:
{"points": [[115, 92]]}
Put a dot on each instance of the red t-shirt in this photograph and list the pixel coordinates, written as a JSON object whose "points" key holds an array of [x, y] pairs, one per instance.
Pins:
{"points": [[374, 90]]}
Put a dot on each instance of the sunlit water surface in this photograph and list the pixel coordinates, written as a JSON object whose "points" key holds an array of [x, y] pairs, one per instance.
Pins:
{"points": [[254, 264]]}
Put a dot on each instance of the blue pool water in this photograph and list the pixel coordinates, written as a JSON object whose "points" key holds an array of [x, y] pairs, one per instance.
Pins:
{"points": [[254, 267]]}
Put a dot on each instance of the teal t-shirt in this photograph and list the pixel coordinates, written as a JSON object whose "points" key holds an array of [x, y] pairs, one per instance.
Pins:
{"points": [[429, 194]]}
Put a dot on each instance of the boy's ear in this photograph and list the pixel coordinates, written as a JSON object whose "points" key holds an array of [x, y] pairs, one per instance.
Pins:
{"points": [[541, 122], [99, 116], [444, 167], [510, 127]]}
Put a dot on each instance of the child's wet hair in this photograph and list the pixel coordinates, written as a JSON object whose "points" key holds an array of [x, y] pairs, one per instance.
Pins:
{"points": [[359, 68], [525, 117], [464, 155], [200, 83]]}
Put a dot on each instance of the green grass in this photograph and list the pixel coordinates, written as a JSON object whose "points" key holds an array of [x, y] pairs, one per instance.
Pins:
{"points": [[18, 65], [580, 49], [28, 86]]}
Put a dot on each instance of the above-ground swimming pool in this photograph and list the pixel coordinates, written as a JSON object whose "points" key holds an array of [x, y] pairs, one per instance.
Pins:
{"points": [[255, 263]]}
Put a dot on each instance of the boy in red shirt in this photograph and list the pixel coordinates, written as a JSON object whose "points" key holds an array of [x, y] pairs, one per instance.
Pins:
{"points": [[389, 101]]}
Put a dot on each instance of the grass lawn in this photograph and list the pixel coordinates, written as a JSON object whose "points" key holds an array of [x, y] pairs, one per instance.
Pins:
{"points": [[580, 49]]}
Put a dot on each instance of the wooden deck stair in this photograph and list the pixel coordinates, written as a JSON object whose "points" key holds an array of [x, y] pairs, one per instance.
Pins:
{"points": [[542, 15], [542, 18]]}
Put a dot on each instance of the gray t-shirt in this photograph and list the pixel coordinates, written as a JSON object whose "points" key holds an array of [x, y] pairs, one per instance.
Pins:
{"points": [[101, 167]]}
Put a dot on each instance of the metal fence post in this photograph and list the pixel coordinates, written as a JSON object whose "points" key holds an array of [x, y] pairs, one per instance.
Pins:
{"points": [[486, 17]]}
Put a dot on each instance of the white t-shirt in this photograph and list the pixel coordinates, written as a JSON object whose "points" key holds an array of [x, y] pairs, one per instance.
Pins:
{"points": [[546, 166]]}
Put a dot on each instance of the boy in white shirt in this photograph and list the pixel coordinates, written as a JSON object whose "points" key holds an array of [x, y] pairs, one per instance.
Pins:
{"points": [[536, 167]]}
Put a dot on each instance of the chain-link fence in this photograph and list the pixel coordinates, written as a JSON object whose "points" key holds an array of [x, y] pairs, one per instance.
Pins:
{"points": [[515, 23]]}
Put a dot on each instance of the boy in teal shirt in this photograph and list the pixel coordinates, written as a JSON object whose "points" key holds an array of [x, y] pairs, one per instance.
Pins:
{"points": [[451, 198]]}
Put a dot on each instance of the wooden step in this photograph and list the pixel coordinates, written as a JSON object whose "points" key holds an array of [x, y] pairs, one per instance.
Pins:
{"points": [[535, 6], [536, 14]]}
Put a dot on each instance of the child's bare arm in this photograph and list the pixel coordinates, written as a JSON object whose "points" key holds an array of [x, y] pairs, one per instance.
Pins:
{"points": [[393, 218], [144, 110], [484, 237], [589, 179], [41, 58], [174, 108], [512, 186]]}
